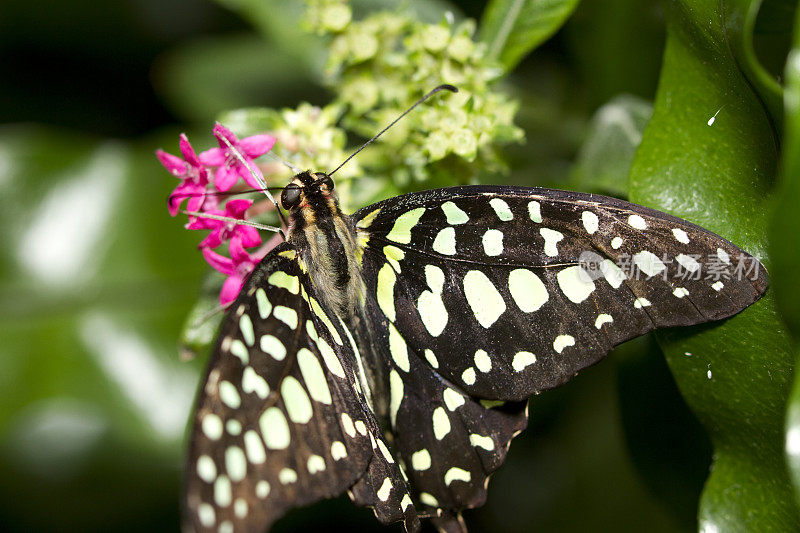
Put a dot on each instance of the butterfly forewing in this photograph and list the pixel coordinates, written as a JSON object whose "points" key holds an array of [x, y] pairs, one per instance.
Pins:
{"points": [[514, 290], [281, 420]]}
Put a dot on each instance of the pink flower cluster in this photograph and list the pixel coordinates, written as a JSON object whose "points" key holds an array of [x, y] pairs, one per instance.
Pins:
{"points": [[194, 172]]}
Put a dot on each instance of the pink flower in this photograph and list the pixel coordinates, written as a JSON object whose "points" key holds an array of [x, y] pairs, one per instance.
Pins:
{"points": [[230, 167], [192, 173], [222, 230], [238, 267]]}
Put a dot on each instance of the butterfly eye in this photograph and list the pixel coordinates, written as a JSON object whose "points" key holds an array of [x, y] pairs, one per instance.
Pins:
{"points": [[325, 181], [290, 196]]}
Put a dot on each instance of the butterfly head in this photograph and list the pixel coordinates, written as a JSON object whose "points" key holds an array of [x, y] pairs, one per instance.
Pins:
{"points": [[308, 190]]}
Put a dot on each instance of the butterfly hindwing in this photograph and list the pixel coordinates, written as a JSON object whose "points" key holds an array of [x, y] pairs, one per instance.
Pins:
{"points": [[281, 420]]}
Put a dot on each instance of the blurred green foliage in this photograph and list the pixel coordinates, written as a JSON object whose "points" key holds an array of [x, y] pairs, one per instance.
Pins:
{"points": [[96, 280]]}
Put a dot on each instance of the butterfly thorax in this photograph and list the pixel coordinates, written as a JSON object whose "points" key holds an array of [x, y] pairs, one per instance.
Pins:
{"points": [[325, 239]]}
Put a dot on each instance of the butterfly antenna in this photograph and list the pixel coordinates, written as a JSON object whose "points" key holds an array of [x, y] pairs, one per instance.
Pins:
{"points": [[259, 179], [237, 221], [443, 87]]}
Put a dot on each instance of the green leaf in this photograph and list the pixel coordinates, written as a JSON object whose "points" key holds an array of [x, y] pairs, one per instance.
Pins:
{"points": [[512, 28], [783, 245], [605, 157], [719, 173], [741, 19], [786, 218]]}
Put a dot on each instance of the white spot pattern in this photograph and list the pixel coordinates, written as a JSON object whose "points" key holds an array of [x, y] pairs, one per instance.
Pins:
{"points": [[680, 292], [445, 241], [688, 262], [385, 291], [401, 231], [563, 341], [430, 305], [452, 399], [551, 239], [603, 318], [680, 235], [395, 395], [501, 209], [480, 441], [272, 346], [421, 460], [456, 474], [482, 361], [637, 222], [493, 242], [286, 315], [454, 214], [468, 376], [590, 222], [313, 376], [298, 406], [522, 360], [527, 290], [486, 302], [441, 423], [274, 429], [648, 263], [575, 283], [535, 211]]}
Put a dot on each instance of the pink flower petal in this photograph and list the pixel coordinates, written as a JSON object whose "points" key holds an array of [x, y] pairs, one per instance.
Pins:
{"points": [[196, 203], [219, 262], [220, 131], [249, 236], [213, 157], [225, 178], [236, 208], [174, 164], [188, 152], [185, 190], [238, 254], [245, 173], [230, 289], [212, 240], [207, 223], [257, 145]]}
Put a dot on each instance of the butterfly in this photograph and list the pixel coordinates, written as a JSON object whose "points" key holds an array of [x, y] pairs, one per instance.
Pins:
{"points": [[390, 353]]}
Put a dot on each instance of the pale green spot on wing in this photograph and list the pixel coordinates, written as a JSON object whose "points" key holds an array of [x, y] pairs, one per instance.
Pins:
{"points": [[313, 376], [264, 306], [501, 209], [401, 231], [285, 281], [454, 214], [527, 290], [398, 348], [274, 429], [486, 302], [298, 406], [385, 291]]}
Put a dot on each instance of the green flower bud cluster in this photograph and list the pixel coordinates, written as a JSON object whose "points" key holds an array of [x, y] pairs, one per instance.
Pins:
{"points": [[380, 65]]}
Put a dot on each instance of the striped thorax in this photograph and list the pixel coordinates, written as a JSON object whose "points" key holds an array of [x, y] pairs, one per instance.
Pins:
{"points": [[325, 240]]}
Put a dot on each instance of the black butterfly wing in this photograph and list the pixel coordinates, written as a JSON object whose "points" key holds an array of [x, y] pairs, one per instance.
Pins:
{"points": [[281, 420], [496, 293]]}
